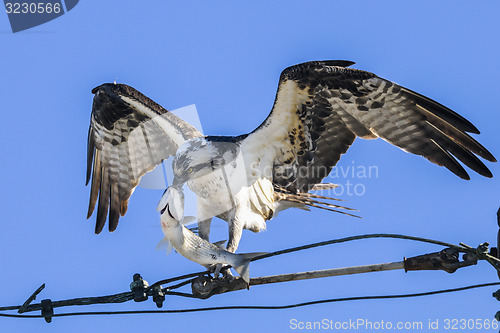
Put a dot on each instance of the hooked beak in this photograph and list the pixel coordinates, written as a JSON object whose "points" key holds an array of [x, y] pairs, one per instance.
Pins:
{"points": [[172, 201], [179, 181]]}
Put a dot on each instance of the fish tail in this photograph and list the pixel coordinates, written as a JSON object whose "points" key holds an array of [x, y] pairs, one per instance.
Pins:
{"points": [[242, 266]]}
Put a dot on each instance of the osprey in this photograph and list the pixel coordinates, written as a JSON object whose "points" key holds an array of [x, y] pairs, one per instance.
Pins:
{"points": [[319, 110]]}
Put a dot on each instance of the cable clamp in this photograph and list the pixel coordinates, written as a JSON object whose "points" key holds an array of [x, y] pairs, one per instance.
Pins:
{"points": [[47, 310], [158, 296], [446, 260], [138, 287]]}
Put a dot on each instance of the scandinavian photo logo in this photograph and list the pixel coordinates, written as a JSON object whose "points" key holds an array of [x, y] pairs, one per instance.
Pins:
{"points": [[26, 14]]}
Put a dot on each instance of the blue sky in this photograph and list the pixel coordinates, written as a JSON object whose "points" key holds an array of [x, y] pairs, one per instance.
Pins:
{"points": [[226, 58]]}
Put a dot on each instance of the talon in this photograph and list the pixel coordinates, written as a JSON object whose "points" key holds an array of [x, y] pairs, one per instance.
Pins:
{"points": [[226, 273], [221, 269], [212, 269], [217, 270]]}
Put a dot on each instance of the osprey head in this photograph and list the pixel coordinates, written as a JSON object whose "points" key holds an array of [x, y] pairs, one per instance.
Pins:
{"points": [[201, 156]]}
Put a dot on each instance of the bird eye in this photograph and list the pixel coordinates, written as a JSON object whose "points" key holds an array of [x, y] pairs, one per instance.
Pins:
{"points": [[189, 170]]}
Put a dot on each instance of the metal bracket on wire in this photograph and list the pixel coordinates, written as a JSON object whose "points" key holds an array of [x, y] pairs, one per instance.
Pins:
{"points": [[446, 260]]}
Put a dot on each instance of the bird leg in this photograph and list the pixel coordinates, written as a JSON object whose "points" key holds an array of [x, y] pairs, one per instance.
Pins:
{"points": [[204, 229], [235, 232], [204, 232], [226, 272]]}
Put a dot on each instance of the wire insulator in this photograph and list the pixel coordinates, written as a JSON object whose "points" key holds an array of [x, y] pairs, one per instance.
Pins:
{"points": [[158, 296], [47, 310], [138, 287]]}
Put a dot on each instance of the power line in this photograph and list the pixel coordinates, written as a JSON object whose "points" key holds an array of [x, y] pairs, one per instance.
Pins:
{"points": [[259, 307], [141, 290], [480, 252]]}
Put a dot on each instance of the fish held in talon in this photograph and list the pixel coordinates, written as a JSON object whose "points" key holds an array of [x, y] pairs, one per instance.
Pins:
{"points": [[191, 246]]}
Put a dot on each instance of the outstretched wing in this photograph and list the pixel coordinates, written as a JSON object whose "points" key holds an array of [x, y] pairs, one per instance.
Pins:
{"points": [[322, 106], [129, 135]]}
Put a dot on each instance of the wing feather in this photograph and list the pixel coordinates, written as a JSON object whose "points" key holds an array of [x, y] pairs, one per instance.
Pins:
{"points": [[94, 188], [322, 106], [442, 111], [129, 135], [462, 153], [114, 207], [457, 135], [102, 208], [90, 154], [442, 157]]}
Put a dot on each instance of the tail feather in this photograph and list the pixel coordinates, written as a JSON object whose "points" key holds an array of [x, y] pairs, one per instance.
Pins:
{"points": [[312, 199], [243, 265], [324, 186], [307, 200], [325, 207], [317, 196]]}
